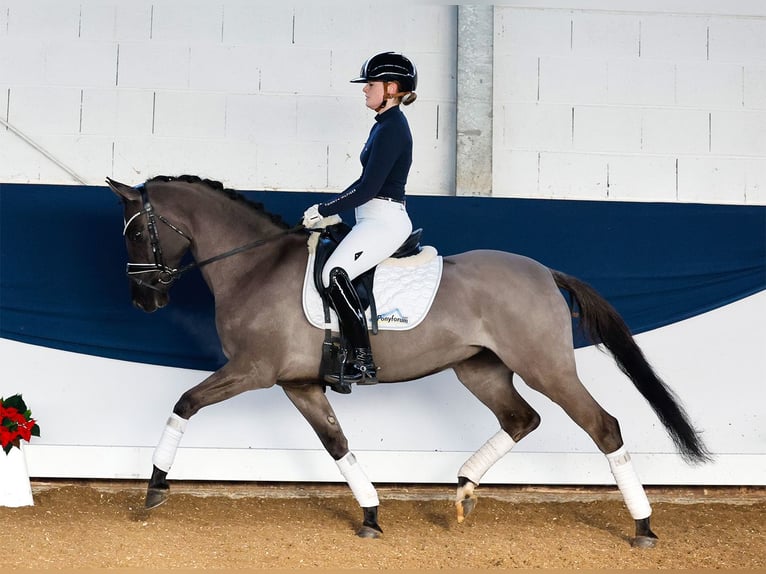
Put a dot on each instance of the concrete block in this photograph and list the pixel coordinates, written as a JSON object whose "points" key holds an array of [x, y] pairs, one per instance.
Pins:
{"points": [[138, 158], [187, 21], [343, 165], [113, 112], [326, 26], [573, 80], [674, 38], [708, 84], [516, 78], [22, 163], [295, 70], [755, 87], [607, 129], [257, 23], [329, 118], [88, 156], [45, 110], [226, 68], [573, 176], [642, 178], [735, 132], [43, 19], [640, 82], [293, 165], [738, 40], [538, 32], [81, 64], [190, 115], [755, 181], [422, 27], [261, 118], [596, 34], [537, 127], [675, 131], [436, 75], [515, 173], [116, 21], [711, 180], [22, 62], [153, 65]]}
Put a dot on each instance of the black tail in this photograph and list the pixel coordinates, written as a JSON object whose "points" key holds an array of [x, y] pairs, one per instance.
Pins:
{"points": [[603, 324]]}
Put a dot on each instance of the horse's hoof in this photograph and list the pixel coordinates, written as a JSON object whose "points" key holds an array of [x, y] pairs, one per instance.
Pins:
{"points": [[644, 542], [369, 532], [465, 507], [156, 497]]}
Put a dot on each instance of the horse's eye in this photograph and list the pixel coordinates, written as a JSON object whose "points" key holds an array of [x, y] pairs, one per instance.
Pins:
{"points": [[137, 235]]}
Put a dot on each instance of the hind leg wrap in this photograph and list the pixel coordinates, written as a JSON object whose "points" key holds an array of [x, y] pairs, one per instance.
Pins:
{"points": [[360, 485], [165, 453], [482, 460], [628, 483]]}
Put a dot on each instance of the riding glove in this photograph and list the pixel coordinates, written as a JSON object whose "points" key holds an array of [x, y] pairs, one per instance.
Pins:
{"points": [[311, 216]]}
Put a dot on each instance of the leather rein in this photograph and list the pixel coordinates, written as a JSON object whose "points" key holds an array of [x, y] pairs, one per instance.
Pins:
{"points": [[166, 274]]}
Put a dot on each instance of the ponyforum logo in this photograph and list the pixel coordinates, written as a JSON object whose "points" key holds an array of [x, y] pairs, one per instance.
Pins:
{"points": [[393, 317]]}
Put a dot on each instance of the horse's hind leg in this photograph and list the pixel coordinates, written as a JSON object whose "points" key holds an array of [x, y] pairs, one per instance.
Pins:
{"points": [[312, 403], [492, 383], [565, 389]]}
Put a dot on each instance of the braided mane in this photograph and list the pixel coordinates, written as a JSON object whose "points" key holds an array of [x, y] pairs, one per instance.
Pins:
{"points": [[230, 193]]}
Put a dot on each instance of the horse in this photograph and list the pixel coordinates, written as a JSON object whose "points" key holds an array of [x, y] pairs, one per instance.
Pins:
{"points": [[254, 264]]}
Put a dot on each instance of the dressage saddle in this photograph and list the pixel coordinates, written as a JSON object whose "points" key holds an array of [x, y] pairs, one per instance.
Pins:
{"points": [[335, 350], [329, 239]]}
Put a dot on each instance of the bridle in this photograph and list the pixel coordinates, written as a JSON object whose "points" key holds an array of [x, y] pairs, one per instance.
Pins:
{"points": [[166, 275]]}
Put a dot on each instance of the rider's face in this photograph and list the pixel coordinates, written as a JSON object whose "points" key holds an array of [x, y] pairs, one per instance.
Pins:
{"points": [[373, 92]]}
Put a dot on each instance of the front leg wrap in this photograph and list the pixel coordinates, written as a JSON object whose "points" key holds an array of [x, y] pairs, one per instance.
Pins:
{"points": [[472, 471], [165, 453], [360, 485]]}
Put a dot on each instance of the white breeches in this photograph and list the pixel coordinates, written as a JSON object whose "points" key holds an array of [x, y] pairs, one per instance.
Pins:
{"points": [[381, 227]]}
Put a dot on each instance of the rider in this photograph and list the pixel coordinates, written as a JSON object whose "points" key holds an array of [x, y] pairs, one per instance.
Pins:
{"points": [[382, 223]]}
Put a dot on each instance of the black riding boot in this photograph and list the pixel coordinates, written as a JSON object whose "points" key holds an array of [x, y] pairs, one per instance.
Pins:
{"points": [[345, 301]]}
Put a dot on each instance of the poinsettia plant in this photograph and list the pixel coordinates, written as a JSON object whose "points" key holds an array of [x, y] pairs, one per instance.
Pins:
{"points": [[16, 423]]}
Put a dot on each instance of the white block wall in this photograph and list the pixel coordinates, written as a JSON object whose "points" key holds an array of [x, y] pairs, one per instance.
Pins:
{"points": [[635, 105], [252, 93], [648, 100]]}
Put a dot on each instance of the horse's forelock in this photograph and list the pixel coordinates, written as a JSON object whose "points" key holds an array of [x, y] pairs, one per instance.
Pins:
{"points": [[219, 187]]}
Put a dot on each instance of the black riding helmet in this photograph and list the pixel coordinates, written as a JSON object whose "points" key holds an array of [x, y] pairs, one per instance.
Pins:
{"points": [[389, 67]]}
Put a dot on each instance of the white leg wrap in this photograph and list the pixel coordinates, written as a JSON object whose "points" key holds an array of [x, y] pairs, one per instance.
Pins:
{"points": [[628, 483], [360, 485], [483, 459], [165, 453]]}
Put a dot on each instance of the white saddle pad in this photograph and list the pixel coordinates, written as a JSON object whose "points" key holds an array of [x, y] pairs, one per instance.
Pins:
{"points": [[404, 290]]}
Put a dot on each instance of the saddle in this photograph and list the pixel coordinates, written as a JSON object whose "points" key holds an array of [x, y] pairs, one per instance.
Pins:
{"points": [[329, 238]]}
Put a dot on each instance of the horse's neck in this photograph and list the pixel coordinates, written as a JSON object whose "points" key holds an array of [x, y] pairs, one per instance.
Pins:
{"points": [[218, 224]]}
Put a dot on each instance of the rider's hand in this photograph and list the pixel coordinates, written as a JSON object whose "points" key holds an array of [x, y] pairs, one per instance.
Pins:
{"points": [[311, 216]]}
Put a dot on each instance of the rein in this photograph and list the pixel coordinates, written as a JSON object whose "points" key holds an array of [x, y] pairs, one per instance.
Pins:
{"points": [[168, 275]]}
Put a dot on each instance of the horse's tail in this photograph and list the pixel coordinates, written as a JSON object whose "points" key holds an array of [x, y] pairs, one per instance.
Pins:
{"points": [[601, 323]]}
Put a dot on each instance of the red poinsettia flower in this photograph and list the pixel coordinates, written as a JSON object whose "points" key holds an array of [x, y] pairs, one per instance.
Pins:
{"points": [[16, 423]]}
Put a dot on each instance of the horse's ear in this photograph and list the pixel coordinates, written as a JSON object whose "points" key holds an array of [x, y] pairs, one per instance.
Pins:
{"points": [[124, 191]]}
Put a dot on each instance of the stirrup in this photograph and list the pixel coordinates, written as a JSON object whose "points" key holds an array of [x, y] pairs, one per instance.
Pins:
{"points": [[365, 367]]}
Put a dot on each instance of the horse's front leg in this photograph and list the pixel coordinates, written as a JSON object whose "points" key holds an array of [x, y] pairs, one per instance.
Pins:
{"points": [[225, 383], [312, 403]]}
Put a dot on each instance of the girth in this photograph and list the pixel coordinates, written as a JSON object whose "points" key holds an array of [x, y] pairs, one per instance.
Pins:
{"points": [[329, 239]]}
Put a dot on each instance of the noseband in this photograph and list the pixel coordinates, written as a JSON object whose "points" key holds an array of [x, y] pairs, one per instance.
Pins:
{"points": [[166, 275]]}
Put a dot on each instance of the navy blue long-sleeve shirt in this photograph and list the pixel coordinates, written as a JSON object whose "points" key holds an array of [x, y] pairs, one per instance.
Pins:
{"points": [[386, 160]]}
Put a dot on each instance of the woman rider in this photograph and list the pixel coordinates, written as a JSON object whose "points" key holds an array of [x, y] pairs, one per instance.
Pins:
{"points": [[382, 223]]}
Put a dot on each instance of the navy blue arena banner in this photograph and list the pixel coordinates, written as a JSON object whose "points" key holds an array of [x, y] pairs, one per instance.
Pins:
{"points": [[63, 283]]}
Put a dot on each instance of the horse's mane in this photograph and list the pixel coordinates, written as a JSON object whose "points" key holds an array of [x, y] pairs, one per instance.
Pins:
{"points": [[230, 193]]}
